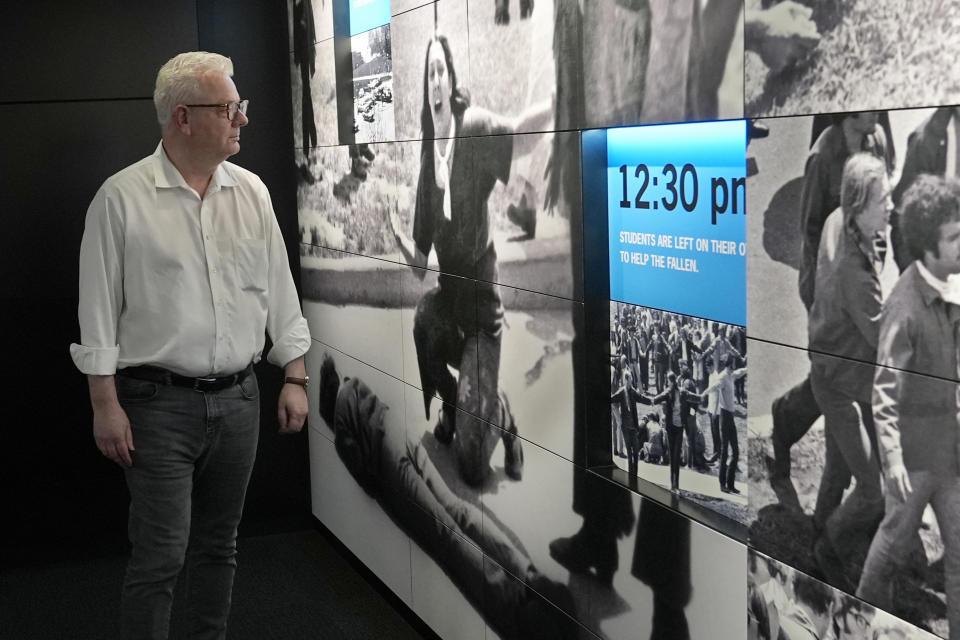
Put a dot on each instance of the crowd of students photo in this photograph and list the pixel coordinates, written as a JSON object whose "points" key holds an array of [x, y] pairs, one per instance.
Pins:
{"points": [[681, 367]]}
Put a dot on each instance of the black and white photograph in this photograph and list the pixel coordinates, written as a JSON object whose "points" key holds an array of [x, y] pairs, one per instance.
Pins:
{"points": [[536, 368], [817, 56], [511, 55], [374, 308], [352, 303], [350, 198], [466, 213], [801, 167], [785, 603], [653, 61], [337, 499], [412, 31], [312, 81], [531, 360], [349, 201], [372, 64], [678, 404], [405, 474], [313, 17], [603, 63], [496, 559], [518, 237], [630, 564], [534, 197], [503, 354], [402, 6], [424, 313], [885, 537], [857, 367], [351, 297], [314, 105]]}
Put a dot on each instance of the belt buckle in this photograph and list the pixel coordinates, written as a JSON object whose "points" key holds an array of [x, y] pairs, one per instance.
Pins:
{"points": [[197, 381]]}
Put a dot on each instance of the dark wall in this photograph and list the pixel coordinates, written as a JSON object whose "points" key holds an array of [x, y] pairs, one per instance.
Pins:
{"points": [[76, 81], [253, 33]]}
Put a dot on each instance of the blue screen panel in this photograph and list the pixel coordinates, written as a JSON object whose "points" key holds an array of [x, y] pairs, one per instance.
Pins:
{"points": [[368, 14], [677, 218]]}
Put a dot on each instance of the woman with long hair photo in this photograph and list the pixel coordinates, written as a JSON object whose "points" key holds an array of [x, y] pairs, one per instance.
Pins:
{"points": [[465, 151]]}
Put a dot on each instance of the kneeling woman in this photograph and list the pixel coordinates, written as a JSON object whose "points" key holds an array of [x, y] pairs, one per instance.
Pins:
{"points": [[458, 324]]}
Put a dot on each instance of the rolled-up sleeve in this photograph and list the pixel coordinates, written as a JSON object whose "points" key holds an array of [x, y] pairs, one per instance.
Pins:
{"points": [[286, 325], [101, 288]]}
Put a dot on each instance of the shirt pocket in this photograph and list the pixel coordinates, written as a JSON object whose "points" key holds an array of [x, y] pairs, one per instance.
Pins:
{"points": [[250, 257]]}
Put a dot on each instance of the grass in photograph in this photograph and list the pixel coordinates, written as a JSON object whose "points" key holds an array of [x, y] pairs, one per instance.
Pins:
{"points": [[340, 210], [873, 54]]}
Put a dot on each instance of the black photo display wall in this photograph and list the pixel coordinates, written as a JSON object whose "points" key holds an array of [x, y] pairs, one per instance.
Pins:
{"points": [[614, 308]]}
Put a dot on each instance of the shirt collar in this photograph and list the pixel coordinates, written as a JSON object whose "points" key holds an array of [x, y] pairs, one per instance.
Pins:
{"points": [[223, 176], [930, 287], [166, 175]]}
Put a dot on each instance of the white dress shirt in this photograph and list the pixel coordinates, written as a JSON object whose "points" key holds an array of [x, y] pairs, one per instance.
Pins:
{"points": [[443, 164], [189, 284], [723, 384]]}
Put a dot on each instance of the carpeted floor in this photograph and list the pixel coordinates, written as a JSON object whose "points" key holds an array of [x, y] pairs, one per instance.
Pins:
{"points": [[289, 586]]}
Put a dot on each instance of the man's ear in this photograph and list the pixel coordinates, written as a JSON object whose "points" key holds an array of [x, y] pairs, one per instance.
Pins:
{"points": [[181, 118]]}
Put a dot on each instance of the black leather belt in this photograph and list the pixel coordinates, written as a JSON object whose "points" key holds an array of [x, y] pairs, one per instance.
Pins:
{"points": [[163, 376]]}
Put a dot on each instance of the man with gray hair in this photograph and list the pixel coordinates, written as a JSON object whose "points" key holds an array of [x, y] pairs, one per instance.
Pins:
{"points": [[182, 269]]}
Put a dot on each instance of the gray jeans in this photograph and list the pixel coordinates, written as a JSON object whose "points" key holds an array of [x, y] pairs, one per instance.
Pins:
{"points": [[192, 460], [850, 450], [899, 528]]}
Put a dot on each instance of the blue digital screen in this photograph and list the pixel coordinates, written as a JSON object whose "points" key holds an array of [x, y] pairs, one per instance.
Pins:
{"points": [[677, 218], [368, 14]]}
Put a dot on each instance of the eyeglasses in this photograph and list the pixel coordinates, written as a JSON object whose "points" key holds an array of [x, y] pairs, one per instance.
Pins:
{"points": [[231, 107]]}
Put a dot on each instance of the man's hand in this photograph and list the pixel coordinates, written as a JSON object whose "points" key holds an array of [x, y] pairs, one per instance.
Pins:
{"points": [[111, 430], [898, 482], [292, 408], [782, 34]]}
